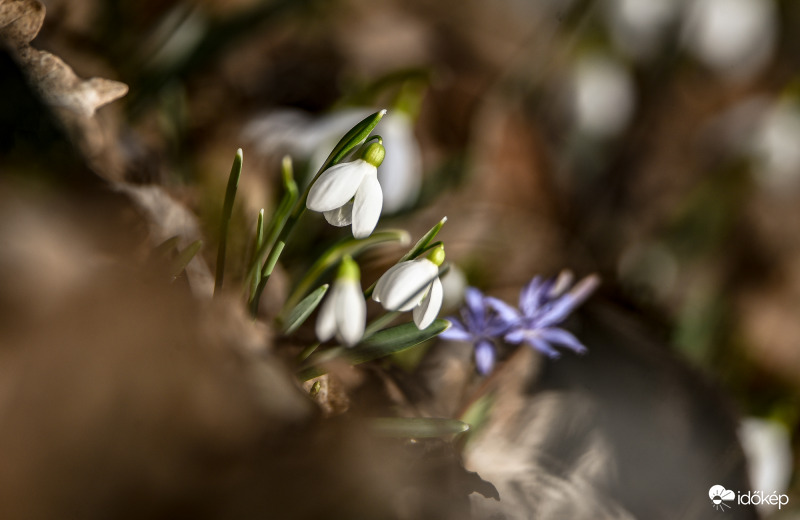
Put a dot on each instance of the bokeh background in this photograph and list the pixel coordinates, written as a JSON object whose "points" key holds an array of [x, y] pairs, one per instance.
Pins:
{"points": [[655, 142]]}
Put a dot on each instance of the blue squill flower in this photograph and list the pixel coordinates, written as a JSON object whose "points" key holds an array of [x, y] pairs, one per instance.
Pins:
{"points": [[544, 304], [481, 325]]}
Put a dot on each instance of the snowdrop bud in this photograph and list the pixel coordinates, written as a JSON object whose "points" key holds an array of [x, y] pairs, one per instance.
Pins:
{"points": [[437, 255], [348, 270], [374, 153]]}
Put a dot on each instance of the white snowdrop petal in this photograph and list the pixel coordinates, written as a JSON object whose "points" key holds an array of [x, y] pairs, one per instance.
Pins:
{"points": [[337, 185], [408, 285], [367, 206], [326, 319], [385, 280], [426, 312], [351, 312], [340, 217]]}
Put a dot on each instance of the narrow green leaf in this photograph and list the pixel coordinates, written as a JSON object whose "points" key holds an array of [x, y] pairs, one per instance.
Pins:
{"points": [[303, 310], [379, 345], [478, 412], [273, 244], [352, 139], [423, 243], [165, 248], [314, 368], [287, 175], [184, 257], [418, 427], [272, 259], [227, 211], [395, 339], [257, 243]]}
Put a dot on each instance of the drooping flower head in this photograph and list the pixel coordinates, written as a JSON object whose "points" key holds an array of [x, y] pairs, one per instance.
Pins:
{"points": [[413, 284], [349, 193], [344, 312]]}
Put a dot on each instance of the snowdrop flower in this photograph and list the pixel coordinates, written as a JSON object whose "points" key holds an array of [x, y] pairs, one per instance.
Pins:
{"points": [[413, 284], [604, 94], [480, 325], [734, 37], [313, 138], [344, 312], [775, 148], [543, 304], [767, 446], [349, 193]]}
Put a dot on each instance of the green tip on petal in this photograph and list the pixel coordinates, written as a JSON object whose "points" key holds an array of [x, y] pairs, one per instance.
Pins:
{"points": [[437, 255], [374, 154], [348, 270]]}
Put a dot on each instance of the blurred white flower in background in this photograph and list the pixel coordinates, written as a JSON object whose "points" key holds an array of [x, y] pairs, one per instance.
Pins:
{"points": [[603, 95], [295, 132], [639, 27], [776, 148], [401, 172], [767, 447], [733, 37], [454, 284]]}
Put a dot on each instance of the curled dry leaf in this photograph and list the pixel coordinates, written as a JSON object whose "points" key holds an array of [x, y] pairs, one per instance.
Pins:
{"points": [[58, 84], [20, 21]]}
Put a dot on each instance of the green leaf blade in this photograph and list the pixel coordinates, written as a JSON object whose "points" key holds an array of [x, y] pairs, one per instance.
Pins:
{"points": [[227, 211], [393, 340], [379, 345], [418, 427], [352, 138], [184, 257], [300, 313], [424, 242]]}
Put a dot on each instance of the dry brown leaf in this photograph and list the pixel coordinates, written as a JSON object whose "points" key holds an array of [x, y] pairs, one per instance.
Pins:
{"points": [[20, 20]]}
